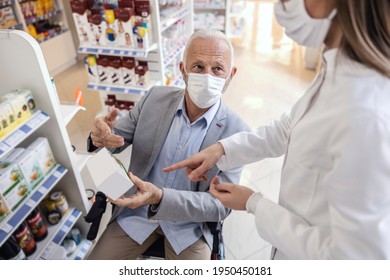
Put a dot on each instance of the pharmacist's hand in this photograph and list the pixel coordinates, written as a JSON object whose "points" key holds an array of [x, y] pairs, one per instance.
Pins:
{"points": [[199, 164], [231, 195], [101, 133], [146, 194]]}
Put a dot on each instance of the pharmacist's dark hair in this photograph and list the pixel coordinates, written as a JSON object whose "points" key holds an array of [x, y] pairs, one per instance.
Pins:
{"points": [[210, 34], [366, 32]]}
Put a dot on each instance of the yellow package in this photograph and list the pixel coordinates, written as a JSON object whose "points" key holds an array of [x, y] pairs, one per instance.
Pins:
{"points": [[19, 106]]}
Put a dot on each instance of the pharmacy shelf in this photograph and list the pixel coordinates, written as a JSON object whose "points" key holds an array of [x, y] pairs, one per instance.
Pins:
{"points": [[69, 111], [53, 35], [22, 132], [15, 219], [208, 7], [121, 89], [81, 251], [116, 51], [174, 17], [6, 3], [56, 234], [169, 58], [32, 20]]}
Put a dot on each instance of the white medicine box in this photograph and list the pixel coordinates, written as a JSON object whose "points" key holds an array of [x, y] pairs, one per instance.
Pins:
{"points": [[30, 167], [44, 155], [13, 187], [108, 174]]}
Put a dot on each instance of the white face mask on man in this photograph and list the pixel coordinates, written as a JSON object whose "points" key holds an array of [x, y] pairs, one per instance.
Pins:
{"points": [[205, 89], [300, 26]]}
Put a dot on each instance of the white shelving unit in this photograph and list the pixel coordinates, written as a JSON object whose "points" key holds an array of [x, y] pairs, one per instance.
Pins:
{"points": [[58, 48], [223, 15], [23, 66], [158, 62]]}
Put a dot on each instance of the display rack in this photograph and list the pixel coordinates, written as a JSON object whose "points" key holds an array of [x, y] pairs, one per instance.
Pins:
{"points": [[224, 15], [23, 66], [160, 61], [57, 45]]}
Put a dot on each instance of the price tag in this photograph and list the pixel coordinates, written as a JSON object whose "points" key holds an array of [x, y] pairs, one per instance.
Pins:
{"points": [[57, 174], [31, 203], [6, 228], [15, 138], [3, 147], [65, 229], [35, 122], [72, 219]]}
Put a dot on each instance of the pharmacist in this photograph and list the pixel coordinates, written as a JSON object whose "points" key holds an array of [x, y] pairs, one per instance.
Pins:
{"points": [[334, 198]]}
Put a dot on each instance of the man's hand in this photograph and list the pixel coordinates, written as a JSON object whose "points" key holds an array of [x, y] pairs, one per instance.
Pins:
{"points": [[146, 194], [101, 133], [199, 164], [231, 196]]}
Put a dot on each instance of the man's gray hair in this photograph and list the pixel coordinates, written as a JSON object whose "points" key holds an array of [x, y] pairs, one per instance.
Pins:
{"points": [[209, 34]]}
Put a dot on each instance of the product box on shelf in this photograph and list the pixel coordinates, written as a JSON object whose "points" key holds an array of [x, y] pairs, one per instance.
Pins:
{"points": [[142, 74], [102, 64], [125, 16], [114, 71], [108, 174], [28, 97], [19, 106], [90, 63], [13, 186], [111, 28], [44, 154], [79, 12], [142, 29], [7, 18], [30, 167], [128, 71], [4, 211], [7, 119], [95, 21]]}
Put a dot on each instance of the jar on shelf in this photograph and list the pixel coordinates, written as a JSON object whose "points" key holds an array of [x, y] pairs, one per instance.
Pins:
{"points": [[60, 201], [37, 225], [11, 250], [53, 215], [25, 239]]}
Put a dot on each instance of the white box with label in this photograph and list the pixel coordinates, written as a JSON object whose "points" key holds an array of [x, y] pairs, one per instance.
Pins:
{"points": [[108, 174]]}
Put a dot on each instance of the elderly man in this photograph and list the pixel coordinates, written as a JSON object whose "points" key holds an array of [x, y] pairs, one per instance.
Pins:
{"points": [[168, 125]]}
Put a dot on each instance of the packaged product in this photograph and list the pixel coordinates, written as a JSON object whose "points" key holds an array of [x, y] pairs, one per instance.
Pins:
{"points": [[44, 154], [108, 174], [114, 71], [28, 97], [13, 186], [4, 211], [30, 167], [125, 16], [7, 119], [128, 71], [142, 26], [19, 106]]}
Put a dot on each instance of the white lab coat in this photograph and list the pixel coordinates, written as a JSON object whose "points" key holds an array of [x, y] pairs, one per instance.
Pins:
{"points": [[334, 200]]}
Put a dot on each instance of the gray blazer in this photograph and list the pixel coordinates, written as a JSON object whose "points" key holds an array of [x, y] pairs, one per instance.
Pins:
{"points": [[146, 127]]}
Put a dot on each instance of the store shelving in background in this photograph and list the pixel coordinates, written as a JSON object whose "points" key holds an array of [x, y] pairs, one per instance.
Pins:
{"points": [[224, 15], [18, 48], [45, 21], [120, 64]]}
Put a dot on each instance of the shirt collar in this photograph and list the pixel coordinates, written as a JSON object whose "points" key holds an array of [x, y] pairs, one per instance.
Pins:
{"points": [[208, 116]]}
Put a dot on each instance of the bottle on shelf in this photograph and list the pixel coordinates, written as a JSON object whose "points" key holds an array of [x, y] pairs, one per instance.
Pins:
{"points": [[11, 250], [25, 239], [37, 225]]}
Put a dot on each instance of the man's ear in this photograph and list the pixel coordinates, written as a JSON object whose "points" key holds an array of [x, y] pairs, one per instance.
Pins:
{"points": [[181, 67], [233, 73]]}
